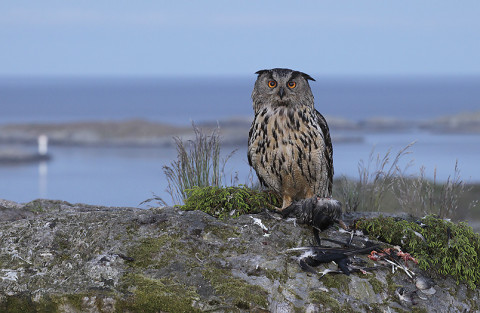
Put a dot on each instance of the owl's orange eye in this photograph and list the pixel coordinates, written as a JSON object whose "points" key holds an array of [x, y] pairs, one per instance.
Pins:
{"points": [[272, 84], [291, 84]]}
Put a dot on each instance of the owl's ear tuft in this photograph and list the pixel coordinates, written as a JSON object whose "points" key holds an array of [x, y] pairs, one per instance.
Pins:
{"points": [[262, 72], [306, 76]]}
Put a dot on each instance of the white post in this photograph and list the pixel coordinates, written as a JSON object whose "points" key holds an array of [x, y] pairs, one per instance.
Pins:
{"points": [[42, 144]]}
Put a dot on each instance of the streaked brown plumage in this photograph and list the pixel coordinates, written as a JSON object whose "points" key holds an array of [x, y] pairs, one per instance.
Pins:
{"points": [[289, 142]]}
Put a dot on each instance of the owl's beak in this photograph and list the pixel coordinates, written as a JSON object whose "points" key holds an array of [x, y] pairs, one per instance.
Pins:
{"points": [[281, 93]]}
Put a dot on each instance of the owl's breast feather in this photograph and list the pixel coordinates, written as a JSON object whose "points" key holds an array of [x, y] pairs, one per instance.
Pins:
{"points": [[285, 135]]}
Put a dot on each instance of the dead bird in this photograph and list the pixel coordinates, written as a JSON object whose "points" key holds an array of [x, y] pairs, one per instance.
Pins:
{"points": [[345, 258], [319, 213]]}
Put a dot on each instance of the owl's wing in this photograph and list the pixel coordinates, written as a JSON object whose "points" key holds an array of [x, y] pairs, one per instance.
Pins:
{"points": [[250, 134], [328, 152]]}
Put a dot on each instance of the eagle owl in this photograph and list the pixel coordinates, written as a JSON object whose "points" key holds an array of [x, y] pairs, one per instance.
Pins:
{"points": [[289, 143]]}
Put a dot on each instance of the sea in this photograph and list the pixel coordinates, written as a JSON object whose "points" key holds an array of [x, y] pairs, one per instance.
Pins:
{"points": [[127, 176]]}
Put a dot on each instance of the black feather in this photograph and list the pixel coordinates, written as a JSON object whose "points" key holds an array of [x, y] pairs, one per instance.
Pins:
{"points": [[319, 258], [306, 267], [317, 212], [343, 265]]}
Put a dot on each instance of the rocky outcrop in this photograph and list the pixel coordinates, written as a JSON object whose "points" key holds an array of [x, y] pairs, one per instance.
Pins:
{"points": [[131, 133], [59, 257]]}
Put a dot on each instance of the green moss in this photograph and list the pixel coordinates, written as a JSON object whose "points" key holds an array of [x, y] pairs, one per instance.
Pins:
{"points": [[146, 251], [40, 205], [274, 275], [81, 301], [142, 294], [377, 285], [229, 201], [340, 282], [328, 302], [323, 298], [242, 293], [49, 304], [61, 241], [131, 230], [23, 303], [154, 252], [440, 246], [470, 296], [391, 285], [62, 246], [75, 300], [298, 310], [156, 295], [221, 232], [35, 206], [474, 305]]}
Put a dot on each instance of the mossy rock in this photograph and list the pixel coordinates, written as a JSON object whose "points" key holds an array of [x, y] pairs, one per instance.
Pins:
{"points": [[441, 246], [97, 259], [244, 295], [156, 295]]}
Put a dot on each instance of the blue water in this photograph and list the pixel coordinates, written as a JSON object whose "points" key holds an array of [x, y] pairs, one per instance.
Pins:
{"points": [[127, 176], [179, 100]]}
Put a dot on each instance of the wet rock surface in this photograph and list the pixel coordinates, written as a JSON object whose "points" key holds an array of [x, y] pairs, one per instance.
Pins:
{"points": [[62, 257]]}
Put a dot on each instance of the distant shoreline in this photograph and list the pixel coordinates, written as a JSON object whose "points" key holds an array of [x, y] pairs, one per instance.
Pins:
{"points": [[233, 131]]}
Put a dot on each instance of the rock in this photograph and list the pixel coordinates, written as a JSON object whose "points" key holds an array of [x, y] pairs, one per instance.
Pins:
{"points": [[62, 257]]}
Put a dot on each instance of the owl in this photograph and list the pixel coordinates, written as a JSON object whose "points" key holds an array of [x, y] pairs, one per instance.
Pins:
{"points": [[289, 143]]}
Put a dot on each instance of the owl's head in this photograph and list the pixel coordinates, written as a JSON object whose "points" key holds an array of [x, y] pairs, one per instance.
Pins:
{"points": [[281, 87]]}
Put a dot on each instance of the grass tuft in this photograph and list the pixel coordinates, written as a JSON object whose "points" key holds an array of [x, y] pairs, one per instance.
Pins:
{"points": [[229, 201], [376, 179], [198, 164], [384, 186], [420, 196]]}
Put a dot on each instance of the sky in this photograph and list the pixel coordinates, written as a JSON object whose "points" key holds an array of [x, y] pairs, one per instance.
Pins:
{"points": [[198, 38]]}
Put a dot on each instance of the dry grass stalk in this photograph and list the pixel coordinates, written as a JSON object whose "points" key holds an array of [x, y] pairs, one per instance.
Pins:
{"points": [[384, 184], [420, 196], [198, 164], [376, 179]]}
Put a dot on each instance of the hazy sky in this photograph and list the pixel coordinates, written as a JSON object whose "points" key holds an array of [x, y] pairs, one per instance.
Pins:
{"points": [[353, 37]]}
